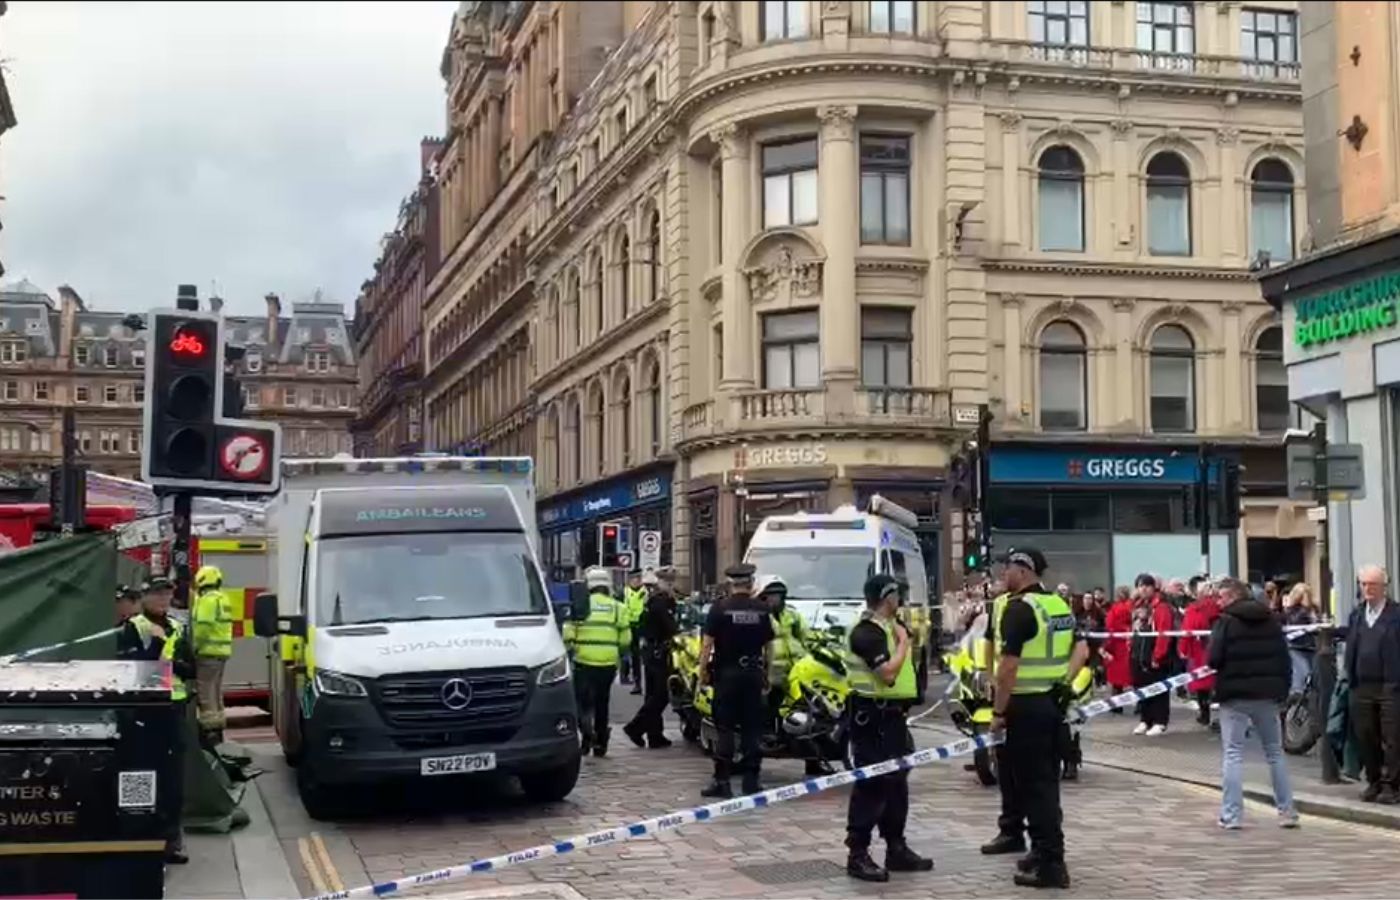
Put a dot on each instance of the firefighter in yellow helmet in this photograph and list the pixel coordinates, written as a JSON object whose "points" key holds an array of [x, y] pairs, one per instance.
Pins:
{"points": [[213, 642]]}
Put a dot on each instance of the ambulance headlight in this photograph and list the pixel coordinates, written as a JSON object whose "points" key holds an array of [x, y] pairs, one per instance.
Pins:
{"points": [[334, 684], [554, 672]]}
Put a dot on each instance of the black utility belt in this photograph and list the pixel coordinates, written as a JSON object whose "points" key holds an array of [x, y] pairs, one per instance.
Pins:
{"points": [[743, 664], [885, 707]]}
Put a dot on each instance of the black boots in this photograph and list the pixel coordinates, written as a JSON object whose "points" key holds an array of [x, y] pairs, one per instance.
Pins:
{"points": [[718, 789], [899, 858], [860, 866], [752, 785], [600, 742], [585, 743], [1005, 843], [634, 734], [1046, 875]]}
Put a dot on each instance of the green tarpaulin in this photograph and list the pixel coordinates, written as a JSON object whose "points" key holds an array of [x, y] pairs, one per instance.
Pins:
{"points": [[57, 591]]}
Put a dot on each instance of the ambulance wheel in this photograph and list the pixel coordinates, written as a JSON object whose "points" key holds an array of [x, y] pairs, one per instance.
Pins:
{"points": [[984, 761], [319, 800], [551, 785]]}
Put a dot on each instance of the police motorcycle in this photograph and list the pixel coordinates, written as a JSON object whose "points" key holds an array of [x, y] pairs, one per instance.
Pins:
{"points": [[689, 699]]}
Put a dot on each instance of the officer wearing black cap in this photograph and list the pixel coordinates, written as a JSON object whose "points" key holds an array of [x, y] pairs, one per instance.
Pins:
{"points": [[881, 671], [1037, 654], [735, 643]]}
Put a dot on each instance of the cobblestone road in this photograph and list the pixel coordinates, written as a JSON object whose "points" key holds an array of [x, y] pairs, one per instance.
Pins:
{"points": [[1129, 837]]}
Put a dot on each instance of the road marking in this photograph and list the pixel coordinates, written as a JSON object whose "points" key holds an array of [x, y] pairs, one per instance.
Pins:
{"points": [[309, 864], [323, 856]]}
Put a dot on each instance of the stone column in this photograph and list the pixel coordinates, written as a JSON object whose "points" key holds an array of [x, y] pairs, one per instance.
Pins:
{"points": [[1231, 251], [1122, 185], [737, 319], [1013, 378], [1233, 380], [839, 178], [1123, 380], [493, 141], [1010, 179]]}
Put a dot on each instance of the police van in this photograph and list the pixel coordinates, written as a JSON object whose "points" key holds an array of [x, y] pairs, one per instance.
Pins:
{"points": [[415, 634], [825, 559]]}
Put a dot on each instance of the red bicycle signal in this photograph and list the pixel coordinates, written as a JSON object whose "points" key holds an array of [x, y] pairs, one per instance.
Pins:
{"points": [[186, 343]]}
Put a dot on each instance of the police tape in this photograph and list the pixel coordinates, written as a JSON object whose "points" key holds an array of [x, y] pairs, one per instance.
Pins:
{"points": [[761, 800], [1289, 631], [39, 651]]}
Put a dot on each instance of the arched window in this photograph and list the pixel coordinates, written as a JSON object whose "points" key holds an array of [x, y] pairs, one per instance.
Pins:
{"points": [[654, 257], [595, 280], [1168, 206], [1272, 408], [624, 277], [555, 317], [1061, 200], [1271, 211], [624, 415], [597, 436], [1064, 387], [1173, 380], [654, 417], [556, 452], [574, 310], [575, 437]]}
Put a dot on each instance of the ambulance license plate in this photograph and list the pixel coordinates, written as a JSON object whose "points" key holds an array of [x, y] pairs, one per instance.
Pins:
{"points": [[458, 765]]}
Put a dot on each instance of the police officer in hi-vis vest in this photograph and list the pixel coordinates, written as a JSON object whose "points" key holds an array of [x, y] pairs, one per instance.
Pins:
{"points": [[597, 643], [1037, 654], [881, 671], [153, 634]]}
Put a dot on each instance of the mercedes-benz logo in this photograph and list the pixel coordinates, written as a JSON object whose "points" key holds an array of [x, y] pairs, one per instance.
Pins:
{"points": [[456, 694]]}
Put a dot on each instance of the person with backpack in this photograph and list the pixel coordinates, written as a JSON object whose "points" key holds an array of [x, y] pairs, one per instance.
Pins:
{"points": [[1153, 616]]}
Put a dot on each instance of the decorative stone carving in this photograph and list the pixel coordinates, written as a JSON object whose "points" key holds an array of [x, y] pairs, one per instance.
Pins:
{"points": [[838, 122], [1177, 310], [1232, 307], [1227, 136], [1013, 301], [1124, 304], [1062, 129], [1122, 129], [1010, 121], [731, 141], [1065, 305], [788, 270]]}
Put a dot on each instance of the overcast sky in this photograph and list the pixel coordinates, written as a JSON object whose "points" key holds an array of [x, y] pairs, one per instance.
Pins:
{"points": [[250, 146]]}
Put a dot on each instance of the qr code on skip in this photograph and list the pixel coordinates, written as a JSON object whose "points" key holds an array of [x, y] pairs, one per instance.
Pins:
{"points": [[136, 790]]}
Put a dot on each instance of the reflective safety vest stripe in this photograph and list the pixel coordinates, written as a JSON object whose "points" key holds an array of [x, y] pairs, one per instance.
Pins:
{"points": [[866, 683], [213, 625], [787, 645], [600, 639], [173, 633], [636, 602], [1045, 657]]}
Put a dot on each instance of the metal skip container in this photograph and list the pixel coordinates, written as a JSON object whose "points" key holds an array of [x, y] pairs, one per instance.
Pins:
{"points": [[85, 771]]}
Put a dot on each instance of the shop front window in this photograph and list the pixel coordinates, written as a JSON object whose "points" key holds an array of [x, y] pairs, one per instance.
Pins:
{"points": [[1079, 512], [1019, 510]]}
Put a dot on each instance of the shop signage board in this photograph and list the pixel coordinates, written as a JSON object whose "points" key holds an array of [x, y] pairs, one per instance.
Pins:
{"points": [[1369, 305], [1346, 475], [607, 501], [1035, 465], [773, 456]]}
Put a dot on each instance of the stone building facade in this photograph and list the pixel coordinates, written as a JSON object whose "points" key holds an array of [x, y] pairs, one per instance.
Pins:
{"points": [[775, 253], [298, 370]]}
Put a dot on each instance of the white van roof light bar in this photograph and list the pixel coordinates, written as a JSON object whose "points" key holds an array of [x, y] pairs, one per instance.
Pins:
{"points": [[888, 509], [521, 465]]}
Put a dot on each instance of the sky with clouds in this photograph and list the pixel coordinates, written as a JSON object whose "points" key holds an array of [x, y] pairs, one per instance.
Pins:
{"points": [[244, 146]]}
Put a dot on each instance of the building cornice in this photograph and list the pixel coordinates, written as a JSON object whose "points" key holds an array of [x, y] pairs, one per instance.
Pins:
{"points": [[1115, 269]]}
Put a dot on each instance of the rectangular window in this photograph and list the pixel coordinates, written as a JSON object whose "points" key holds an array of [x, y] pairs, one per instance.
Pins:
{"points": [[784, 19], [620, 124], [13, 352], [138, 357], [1166, 28], [318, 361], [1019, 510], [82, 393], [41, 390], [718, 332], [250, 396], [1173, 400], [109, 357], [138, 392], [40, 442], [289, 396], [650, 97], [886, 337], [1148, 512], [1271, 224], [109, 393], [1168, 219], [892, 16], [318, 397], [11, 390], [107, 442], [1078, 512], [82, 354], [884, 190], [790, 183], [1059, 22], [85, 441], [133, 442], [1269, 36], [791, 350]]}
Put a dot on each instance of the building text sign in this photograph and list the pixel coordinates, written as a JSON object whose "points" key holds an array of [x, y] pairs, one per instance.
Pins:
{"points": [[779, 455], [1359, 308]]}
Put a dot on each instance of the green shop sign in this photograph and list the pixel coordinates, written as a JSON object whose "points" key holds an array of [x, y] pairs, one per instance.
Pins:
{"points": [[1359, 308]]}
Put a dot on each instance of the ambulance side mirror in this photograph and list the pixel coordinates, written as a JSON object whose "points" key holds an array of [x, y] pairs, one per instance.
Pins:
{"points": [[268, 623]]}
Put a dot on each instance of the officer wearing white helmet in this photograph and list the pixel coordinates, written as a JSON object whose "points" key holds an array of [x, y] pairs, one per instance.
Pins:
{"points": [[597, 642]]}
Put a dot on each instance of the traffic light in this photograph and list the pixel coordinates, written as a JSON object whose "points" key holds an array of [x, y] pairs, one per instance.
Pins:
{"points": [[977, 547], [1227, 513], [962, 477], [188, 441]]}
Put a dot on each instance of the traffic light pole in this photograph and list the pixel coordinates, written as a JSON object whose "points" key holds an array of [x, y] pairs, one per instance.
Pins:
{"points": [[180, 547]]}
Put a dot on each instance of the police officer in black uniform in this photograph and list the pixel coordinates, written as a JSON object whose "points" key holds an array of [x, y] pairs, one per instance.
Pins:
{"points": [[1031, 722], [657, 628], [735, 643]]}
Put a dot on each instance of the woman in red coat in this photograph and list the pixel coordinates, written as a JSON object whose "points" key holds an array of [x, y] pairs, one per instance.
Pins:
{"points": [[1117, 665], [1199, 616]]}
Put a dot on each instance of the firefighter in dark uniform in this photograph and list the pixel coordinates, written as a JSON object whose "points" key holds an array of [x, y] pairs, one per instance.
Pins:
{"points": [[153, 634], [735, 643], [1037, 654], [881, 671]]}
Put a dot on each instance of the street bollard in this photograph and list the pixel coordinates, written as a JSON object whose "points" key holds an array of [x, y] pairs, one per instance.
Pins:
{"points": [[1325, 676]]}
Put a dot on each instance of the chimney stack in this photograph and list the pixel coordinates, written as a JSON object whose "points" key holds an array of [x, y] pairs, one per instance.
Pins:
{"points": [[274, 315], [216, 304]]}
